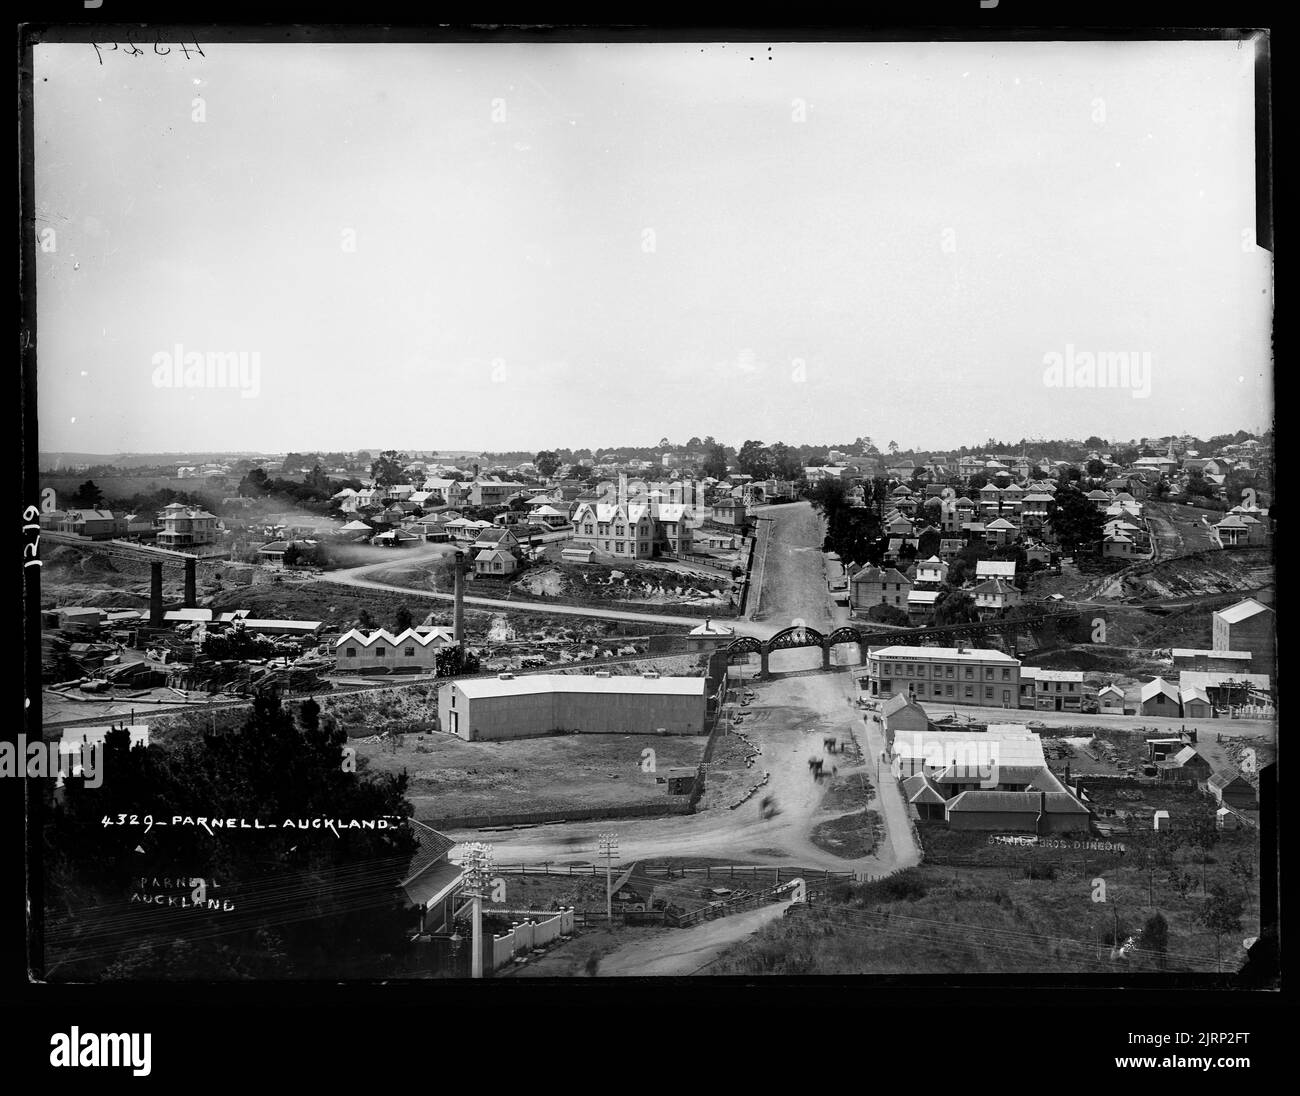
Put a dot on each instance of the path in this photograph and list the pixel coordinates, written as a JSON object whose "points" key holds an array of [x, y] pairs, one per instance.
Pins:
{"points": [[684, 951]]}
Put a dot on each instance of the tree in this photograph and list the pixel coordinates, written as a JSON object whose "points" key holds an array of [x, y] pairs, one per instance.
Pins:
{"points": [[1220, 913], [694, 443], [1181, 881], [1198, 487], [928, 543], [1242, 870], [955, 607], [387, 468], [402, 620], [978, 482], [547, 462], [1203, 834], [253, 485], [1075, 521], [1152, 849], [1096, 468], [452, 660], [785, 464], [291, 554], [1155, 937], [888, 614], [88, 496], [852, 532], [893, 448], [754, 460], [715, 461], [365, 621]]}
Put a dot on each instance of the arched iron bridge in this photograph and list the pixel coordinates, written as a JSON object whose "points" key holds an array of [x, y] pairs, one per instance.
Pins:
{"points": [[799, 636]]}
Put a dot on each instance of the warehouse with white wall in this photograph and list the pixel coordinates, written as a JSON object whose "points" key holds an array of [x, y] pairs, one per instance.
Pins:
{"points": [[483, 709]]}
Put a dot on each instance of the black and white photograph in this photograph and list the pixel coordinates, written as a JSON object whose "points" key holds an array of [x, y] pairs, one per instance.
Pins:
{"points": [[504, 507]]}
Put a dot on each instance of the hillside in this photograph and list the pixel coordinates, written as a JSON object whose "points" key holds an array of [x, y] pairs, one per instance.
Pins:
{"points": [[1219, 571]]}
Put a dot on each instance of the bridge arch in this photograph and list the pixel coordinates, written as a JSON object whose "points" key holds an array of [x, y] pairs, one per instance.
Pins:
{"points": [[797, 636], [846, 634]]}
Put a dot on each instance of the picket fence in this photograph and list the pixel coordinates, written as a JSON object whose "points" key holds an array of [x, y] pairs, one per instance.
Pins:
{"points": [[527, 936]]}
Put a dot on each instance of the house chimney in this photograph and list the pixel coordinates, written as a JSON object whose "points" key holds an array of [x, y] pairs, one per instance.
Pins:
{"points": [[458, 614], [155, 593], [191, 583]]}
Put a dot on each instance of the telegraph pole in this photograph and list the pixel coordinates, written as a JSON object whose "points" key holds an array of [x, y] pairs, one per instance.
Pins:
{"points": [[608, 848], [478, 864]]}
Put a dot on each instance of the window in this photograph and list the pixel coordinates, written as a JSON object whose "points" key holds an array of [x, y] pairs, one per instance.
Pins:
{"points": [[1071, 686], [410, 652], [618, 546], [1006, 675], [970, 691], [352, 652], [969, 674], [988, 692], [949, 669], [587, 528], [947, 689], [379, 652]]}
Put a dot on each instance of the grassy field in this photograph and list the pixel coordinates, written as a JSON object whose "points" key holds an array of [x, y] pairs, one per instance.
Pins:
{"points": [[565, 772], [850, 836], [998, 918]]}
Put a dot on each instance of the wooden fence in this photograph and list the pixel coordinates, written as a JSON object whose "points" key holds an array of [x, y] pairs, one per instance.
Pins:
{"points": [[753, 872]]}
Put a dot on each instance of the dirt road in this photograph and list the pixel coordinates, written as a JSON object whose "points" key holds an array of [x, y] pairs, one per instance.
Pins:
{"points": [[682, 952]]}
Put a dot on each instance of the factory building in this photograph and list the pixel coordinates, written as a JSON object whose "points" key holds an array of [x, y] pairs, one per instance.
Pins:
{"points": [[539, 704], [957, 675], [414, 650]]}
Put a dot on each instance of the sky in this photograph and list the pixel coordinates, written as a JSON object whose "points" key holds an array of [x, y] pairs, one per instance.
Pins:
{"points": [[515, 247]]}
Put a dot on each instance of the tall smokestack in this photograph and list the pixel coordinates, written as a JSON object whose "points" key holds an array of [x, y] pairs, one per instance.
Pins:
{"points": [[155, 594], [191, 583], [458, 618]]}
